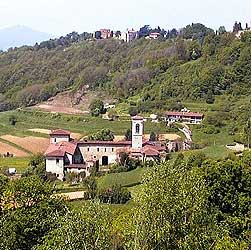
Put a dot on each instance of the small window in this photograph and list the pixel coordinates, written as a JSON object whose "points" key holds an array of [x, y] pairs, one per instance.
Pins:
{"points": [[94, 156], [98, 149], [112, 149], [137, 128], [57, 175], [88, 149], [55, 139], [105, 149], [57, 161]]}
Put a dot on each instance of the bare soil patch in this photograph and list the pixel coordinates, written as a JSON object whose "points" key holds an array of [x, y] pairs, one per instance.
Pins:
{"points": [[30, 143], [69, 103], [4, 148]]}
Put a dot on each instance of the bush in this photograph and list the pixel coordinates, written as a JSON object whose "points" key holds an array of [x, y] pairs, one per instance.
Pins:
{"points": [[114, 195]]}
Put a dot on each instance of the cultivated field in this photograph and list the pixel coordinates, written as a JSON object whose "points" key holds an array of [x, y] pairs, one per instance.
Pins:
{"points": [[30, 143], [47, 132], [4, 148]]}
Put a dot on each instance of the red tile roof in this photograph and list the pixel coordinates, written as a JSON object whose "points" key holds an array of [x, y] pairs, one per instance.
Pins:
{"points": [[109, 143], [61, 148], [74, 166], [137, 117], [184, 114], [150, 151], [56, 153], [60, 132]]}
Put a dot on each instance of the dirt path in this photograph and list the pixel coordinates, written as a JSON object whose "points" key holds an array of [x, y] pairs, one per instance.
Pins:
{"points": [[73, 195]]}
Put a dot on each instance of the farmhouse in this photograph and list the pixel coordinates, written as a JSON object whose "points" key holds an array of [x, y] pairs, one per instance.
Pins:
{"points": [[187, 117], [67, 155]]}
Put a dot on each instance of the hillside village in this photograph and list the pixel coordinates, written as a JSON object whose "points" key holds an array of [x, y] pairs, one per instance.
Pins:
{"points": [[120, 140]]}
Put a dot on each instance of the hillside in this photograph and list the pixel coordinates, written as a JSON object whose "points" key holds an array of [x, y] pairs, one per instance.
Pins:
{"points": [[146, 75], [17, 36]]}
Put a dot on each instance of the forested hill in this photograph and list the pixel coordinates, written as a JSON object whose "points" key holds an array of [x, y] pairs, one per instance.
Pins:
{"points": [[195, 65]]}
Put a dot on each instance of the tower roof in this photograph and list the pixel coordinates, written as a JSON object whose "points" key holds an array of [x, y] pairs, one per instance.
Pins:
{"points": [[137, 117]]}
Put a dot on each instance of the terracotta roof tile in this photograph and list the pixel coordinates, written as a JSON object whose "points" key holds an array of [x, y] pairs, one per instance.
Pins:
{"points": [[66, 147], [60, 132], [184, 114]]}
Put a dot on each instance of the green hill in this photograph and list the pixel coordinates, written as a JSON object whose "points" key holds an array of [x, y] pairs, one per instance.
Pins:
{"points": [[148, 75]]}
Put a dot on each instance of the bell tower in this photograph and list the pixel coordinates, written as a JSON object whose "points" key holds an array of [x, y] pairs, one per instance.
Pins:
{"points": [[137, 132]]}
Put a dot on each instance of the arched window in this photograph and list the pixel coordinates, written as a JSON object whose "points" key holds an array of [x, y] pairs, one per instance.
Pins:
{"points": [[137, 128]]}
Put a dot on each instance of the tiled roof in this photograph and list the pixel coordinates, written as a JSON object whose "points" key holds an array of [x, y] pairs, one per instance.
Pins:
{"points": [[150, 151], [56, 153], [63, 147], [74, 166], [137, 117], [60, 132], [184, 114], [111, 143]]}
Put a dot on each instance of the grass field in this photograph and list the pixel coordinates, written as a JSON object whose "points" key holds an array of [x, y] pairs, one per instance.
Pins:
{"points": [[125, 179], [83, 124], [21, 164]]}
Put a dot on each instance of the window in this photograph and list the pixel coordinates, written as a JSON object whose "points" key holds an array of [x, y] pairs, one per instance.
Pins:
{"points": [[55, 139], [88, 149], [137, 128], [57, 161], [98, 149], [105, 149], [112, 149]]}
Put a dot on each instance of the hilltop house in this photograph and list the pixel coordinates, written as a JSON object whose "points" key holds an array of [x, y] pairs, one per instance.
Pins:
{"points": [[186, 117], [129, 35], [66, 155]]}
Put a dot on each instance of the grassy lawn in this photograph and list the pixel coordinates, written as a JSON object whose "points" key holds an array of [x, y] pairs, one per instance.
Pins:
{"points": [[21, 164], [83, 124], [220, 139], [125, 179], [216, 152]]}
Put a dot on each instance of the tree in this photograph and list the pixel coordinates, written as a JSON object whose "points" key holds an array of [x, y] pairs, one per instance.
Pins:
{"points": [[128, 135], [114, 195], [172, 210], [222, 30], [153, 137], [29, 212], [97, 107], [246, 133], [12, 120], [103, 135], [90, 228], [133, 111]]}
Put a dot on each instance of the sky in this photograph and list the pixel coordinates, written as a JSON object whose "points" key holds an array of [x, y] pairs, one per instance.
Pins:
{"points": [[59, 17]]}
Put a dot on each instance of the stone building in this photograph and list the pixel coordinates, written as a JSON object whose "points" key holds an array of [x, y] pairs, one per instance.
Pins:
{"points": [[66, 155]]}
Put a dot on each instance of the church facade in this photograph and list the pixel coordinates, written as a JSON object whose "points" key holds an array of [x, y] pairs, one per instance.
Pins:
{"points": [[66, 155]]}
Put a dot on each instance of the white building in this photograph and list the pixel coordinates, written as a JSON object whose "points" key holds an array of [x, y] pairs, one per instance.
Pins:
{"points": [[65, 155], [129, 35]]}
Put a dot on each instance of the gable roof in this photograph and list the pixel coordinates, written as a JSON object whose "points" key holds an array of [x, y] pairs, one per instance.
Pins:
{"points": [[60, 149], [137, 117], [184, 114], [60, 132]]}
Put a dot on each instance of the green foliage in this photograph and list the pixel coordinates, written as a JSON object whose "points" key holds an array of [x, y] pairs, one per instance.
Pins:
{"points": [[12, 120], [103, 135], [172, 209], [153, 137], [114, 195], [28, 213], [128, 135], [97, 107], [88, 229]]}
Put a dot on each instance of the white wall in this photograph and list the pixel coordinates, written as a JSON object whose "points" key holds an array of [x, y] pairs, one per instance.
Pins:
{"points": [[137, 137], [59, 138], [54, 167]]}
